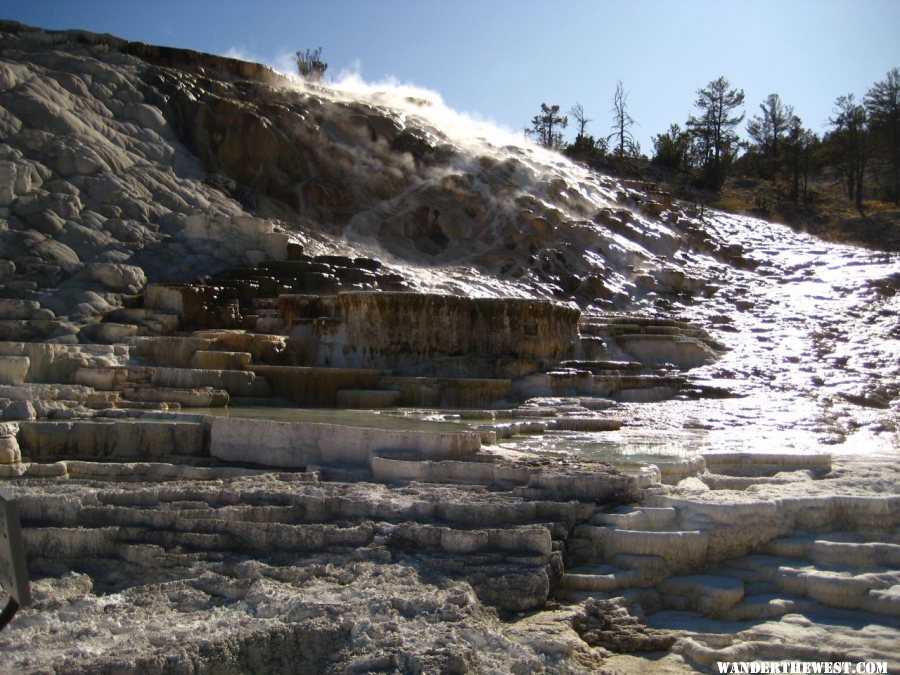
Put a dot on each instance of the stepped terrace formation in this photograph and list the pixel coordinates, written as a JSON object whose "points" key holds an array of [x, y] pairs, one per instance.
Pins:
{"points": [[295, 380]]}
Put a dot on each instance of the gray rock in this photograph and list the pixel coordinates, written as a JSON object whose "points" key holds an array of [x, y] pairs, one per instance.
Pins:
{"points": [[46, 221], [120, 278], [57, 253], [7, 270], [16, 410], [85, 241], [13, 369], [9, 450], [18, 309]]}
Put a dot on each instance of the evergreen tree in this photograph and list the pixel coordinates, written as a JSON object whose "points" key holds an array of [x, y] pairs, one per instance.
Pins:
{"points": [[547, 125], [768, 132], [586, 148], [672, 148], [882, 103], [310, 64], [798, 153], [715, 142], [848, 144]]}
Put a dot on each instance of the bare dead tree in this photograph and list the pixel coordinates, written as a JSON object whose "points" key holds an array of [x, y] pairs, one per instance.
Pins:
{"points": [[577, 113], [624, 145]]}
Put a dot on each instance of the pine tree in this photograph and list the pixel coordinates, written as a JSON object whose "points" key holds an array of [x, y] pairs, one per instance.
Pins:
{"points": [[798, 153], [882, 103], [310, 64], [712, 130], [769, 130], [849, 148], [672, 148], [546, 125]]}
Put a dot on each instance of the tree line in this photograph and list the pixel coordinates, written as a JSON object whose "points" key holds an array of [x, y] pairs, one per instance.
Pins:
{"points": [[861, 147]]}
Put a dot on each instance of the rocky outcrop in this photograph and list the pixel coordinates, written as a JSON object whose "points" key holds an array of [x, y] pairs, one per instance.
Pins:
{"points": [[390, 330], [608, 623], [791, 544], [203, 531], [299, 444], [495, 540], [48, 362], [124, 163], [10, 453], [107, 439], [81, 201]]}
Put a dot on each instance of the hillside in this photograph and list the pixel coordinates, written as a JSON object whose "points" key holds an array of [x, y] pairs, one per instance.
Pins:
{"points": [[183, 165], [828, 216]]}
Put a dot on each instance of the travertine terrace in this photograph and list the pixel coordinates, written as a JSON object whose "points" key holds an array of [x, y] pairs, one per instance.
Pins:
{"points": [[292, 380]]}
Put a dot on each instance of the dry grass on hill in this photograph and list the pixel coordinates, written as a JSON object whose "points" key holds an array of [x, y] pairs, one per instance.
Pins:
{"points": [[830, 216]]}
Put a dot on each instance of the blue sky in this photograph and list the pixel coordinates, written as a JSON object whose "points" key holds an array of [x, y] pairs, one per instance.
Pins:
{"points": [[500, 59]]}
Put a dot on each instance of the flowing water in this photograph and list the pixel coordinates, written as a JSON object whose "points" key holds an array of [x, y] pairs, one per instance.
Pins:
{"points": [[812, 328], [813, 362], [815, 345]]}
